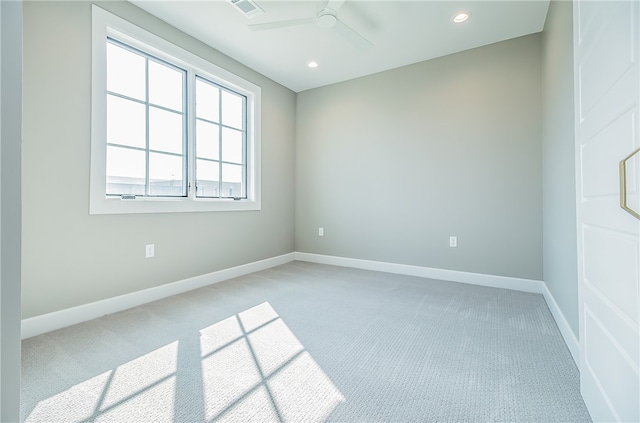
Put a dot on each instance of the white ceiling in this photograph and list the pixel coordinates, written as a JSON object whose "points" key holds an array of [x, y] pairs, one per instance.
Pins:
{"points": [[402, 32]]}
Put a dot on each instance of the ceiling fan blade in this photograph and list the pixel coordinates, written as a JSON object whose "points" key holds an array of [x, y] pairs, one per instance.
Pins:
{"points": [[352, 36], [334, 5], [281, 24]]}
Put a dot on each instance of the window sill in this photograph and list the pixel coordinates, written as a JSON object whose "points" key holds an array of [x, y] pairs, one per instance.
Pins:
{"points": [[116, 205]]}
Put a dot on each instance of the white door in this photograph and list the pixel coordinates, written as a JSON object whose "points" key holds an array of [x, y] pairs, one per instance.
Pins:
{"points": [[607, 75]]}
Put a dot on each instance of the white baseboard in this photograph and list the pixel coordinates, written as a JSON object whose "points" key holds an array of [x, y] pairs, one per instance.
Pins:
{"points": [[516, 284], [568, 335], [59, 319]]}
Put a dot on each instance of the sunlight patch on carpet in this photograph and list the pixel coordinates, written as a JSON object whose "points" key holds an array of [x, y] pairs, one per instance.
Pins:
{"points": [[255, 367], [133, 390]]}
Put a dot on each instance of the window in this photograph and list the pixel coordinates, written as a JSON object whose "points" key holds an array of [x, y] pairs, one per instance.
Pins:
{"points": [[171, 132], [146, 125], [220, 141]]}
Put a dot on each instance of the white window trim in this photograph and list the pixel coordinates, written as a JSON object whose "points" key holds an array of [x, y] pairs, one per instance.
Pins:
{"points": [[105, 24]]}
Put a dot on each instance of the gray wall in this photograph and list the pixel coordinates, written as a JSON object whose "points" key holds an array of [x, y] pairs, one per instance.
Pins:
{"points": [[393, 164], [10, 205], [390, 165], [558, 162], [72, 258]]}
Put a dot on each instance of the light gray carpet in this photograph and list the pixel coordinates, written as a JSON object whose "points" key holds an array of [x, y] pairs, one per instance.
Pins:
{"points": [[305, 342]]}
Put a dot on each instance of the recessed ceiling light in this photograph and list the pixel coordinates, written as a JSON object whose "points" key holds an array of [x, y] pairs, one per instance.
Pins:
{"points": [[461, 17], [312, 64]]}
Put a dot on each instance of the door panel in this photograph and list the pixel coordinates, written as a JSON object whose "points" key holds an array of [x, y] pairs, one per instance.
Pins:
{"points": [[611, 266], [607, 100], [613, 370], [613, 45]]}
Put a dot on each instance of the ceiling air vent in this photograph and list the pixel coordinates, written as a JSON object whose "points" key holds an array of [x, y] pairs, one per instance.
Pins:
{"points": [[248, 7]]}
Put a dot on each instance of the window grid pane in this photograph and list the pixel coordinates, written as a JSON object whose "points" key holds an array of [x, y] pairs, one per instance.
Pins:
{"points": [[166, 86], [126, 169], [232, 181], [214, 105], [125, 122], [165, 175], [145, 112], [232, 146], [208, 177], [207, 101], [207, 140], [125, 71], [166, 130], [232, 110]]}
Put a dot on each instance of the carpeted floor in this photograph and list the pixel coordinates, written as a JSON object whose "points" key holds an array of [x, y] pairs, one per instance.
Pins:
{"points": [[306, 342]]}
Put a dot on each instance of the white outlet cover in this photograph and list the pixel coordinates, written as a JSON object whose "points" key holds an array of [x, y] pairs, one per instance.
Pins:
{"points": [[149, 250]]}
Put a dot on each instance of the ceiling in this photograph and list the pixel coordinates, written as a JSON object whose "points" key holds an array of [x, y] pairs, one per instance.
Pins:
{"points": [[402, 33]]}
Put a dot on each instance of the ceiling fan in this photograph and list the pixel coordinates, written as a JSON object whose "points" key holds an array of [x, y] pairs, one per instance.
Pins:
{"points": [[327, 17]]}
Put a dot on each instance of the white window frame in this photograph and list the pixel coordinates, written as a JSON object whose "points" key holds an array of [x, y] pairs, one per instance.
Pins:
{"points": [[105, 24]]}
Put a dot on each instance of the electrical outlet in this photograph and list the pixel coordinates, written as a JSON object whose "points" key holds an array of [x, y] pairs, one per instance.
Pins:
{"points": [[320, 231], [149, 250], [453, 241]]}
